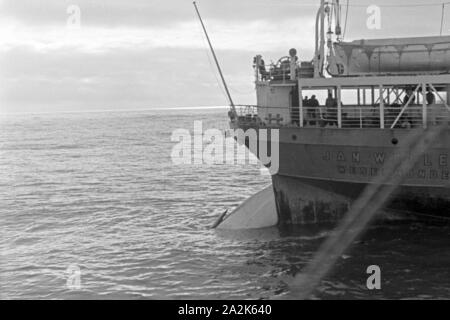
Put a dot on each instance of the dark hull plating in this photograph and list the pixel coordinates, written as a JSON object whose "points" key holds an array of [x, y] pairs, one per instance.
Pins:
{"points": [[304, 201], [322, 171]]}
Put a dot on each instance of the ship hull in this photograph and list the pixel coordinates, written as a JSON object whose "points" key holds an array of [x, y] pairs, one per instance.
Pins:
{"points": [[306, 201], [322, 171]]}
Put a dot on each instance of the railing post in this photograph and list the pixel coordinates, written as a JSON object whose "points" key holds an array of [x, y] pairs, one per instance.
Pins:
{"points": [[257, 66], [360, 118], [300, 98], [339, 103], [424, 106], [448, 95], [293, 69], [372, 92], [405, 107], [381, 107]]}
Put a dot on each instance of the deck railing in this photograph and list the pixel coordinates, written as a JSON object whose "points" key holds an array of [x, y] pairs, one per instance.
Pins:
{"points": [[356, 117], [283, 71], [273, 73]]}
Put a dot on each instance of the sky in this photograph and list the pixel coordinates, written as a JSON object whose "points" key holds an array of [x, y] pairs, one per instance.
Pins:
{"points": [[143, 54]]}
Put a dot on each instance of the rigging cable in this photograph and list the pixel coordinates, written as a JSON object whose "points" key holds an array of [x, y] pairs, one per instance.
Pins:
{"points": [[346, 17], [403, 5], [211, 64], [435, 4], [215, 59]]}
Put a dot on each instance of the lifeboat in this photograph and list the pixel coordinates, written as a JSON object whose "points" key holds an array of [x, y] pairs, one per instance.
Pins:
{"points": [[403, 56]]}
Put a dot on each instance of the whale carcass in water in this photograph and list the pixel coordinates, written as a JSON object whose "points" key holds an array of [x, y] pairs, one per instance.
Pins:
{"points": [[259, 211]]}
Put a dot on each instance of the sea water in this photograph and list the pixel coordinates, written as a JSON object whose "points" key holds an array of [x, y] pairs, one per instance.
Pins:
{"points": [[92, 206]]}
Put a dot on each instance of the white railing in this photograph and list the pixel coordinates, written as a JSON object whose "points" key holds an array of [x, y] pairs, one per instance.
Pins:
{"points": [[356, 117], [273, 72]]}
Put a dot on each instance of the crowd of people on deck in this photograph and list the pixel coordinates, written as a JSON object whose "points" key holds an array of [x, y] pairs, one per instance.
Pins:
{"points": [[327, 115], [316, 115]]}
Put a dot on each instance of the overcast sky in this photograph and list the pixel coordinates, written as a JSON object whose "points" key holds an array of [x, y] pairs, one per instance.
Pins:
{"points": [[139, 54]]}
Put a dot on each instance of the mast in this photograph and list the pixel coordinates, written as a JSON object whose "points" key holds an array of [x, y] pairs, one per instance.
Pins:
{"points": [[320, 40], [215, 59], [338, 13]]}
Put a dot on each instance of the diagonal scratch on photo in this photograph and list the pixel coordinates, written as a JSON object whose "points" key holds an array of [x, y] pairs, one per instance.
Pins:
{"points": [[216, 150]]}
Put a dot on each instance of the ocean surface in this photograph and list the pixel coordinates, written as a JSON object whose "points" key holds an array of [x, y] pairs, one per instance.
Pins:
{"points": [[98, 193]]}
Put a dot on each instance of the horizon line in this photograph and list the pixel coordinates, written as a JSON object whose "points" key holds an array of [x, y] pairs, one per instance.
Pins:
{"points": [[115, 110]]}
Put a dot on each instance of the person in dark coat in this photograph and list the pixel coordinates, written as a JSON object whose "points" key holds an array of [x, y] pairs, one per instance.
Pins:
{"points": [[313, 110]]}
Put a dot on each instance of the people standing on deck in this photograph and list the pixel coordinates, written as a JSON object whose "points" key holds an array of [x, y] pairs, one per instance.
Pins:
{"points": [[260, 65], [305, 104], [305, 101], [262, 70], [331, 110], [405, 121], [409, 94], [313, 110], [392, 112]]}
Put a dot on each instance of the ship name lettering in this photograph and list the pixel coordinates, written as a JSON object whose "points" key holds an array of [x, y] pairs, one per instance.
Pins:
{"points": [[363, 171], [356, 157], [426, 161], [424, 174], [443, 160], [434, 174], [421, 174], [380, 157], [373, 172]]}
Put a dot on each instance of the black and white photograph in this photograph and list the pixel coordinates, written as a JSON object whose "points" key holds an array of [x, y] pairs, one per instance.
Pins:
{"points": [[225, 156]]}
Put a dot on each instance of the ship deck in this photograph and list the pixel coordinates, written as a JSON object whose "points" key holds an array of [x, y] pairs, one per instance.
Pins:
{"points": [[377, 102]]}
